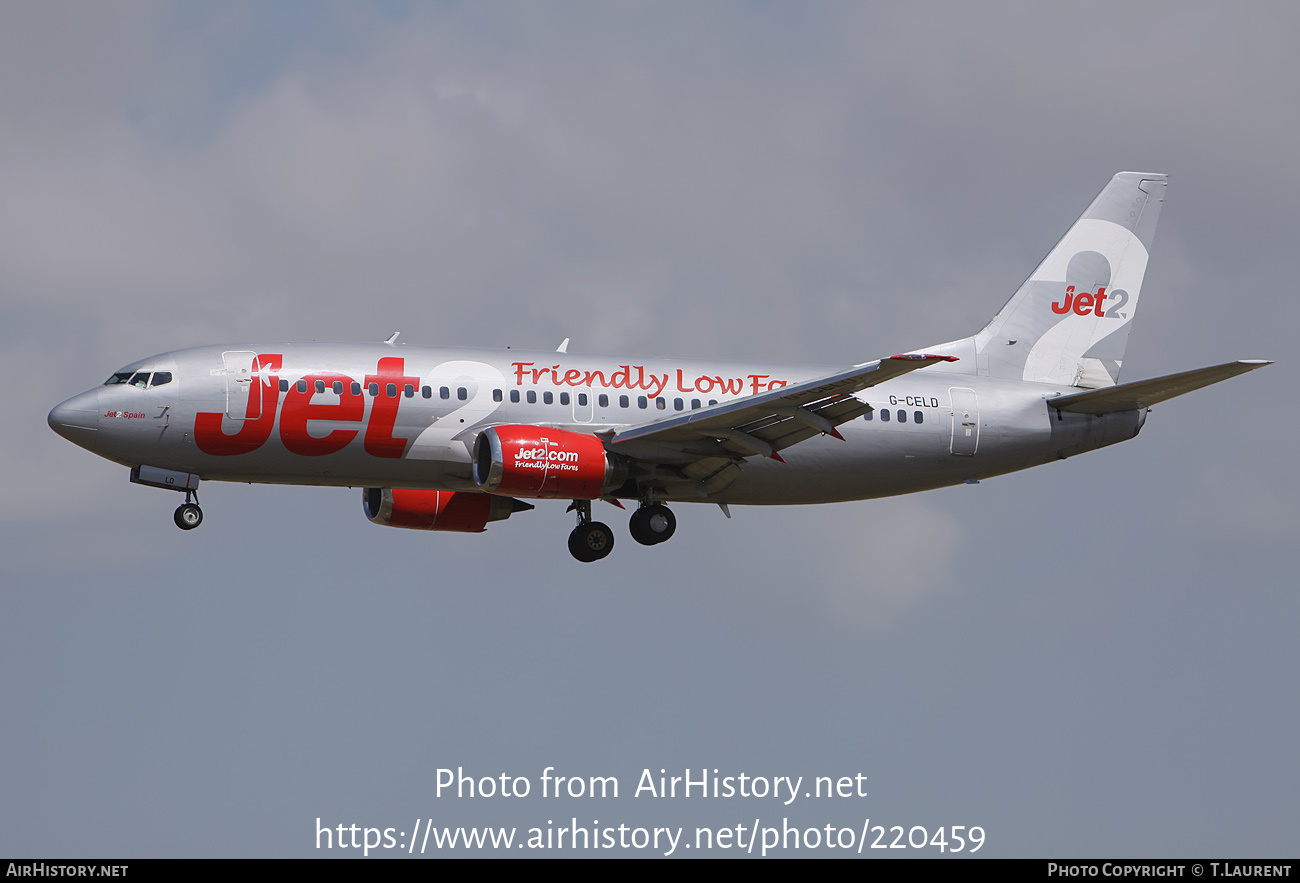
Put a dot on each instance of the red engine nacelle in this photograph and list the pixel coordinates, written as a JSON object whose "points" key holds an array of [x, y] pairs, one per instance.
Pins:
{"points": [[436, 510], [534, 461]]}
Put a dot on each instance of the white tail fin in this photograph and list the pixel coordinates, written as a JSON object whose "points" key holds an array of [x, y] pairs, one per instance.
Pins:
{"points": [[1069, 321]]}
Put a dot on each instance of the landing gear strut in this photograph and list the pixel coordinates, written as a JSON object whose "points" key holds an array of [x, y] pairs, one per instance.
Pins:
{"points": [[590, 540], [188, 515], [652, 523]]}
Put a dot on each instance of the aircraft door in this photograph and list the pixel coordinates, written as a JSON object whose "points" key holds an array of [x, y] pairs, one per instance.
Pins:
{"points": [[965, 421], [239, 382], [583, 408]]}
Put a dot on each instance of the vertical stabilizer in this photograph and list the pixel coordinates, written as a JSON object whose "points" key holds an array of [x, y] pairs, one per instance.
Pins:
{"points": [[1069, 321]]}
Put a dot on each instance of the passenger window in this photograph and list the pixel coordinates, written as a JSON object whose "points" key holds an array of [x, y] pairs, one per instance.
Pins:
{"points": [[426, 391], [391, 389], [678, 404], [547, 398], [918, 417], [338, 387], [870, 415], [410, 391], [302, 386], [496, 395], [320, 386], [462, 393], [356, 388], [622, 401], [695, 403], [712, 402], [564, 398], [602, 400], [532, 396], [902, 416], [444, 392], [161, 377], [884, 415], [514, 396], [284, 386], [660, 403], [373, 389]]}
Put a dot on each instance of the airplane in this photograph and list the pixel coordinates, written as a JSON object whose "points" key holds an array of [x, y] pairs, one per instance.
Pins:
{"points": [[451, 439]]}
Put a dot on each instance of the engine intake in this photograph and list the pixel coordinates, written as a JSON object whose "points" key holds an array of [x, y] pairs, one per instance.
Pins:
{"points": [[545, 463], [467, 512]]}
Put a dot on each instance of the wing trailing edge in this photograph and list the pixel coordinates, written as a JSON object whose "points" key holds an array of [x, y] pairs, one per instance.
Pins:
{"points": [[765, 423]]}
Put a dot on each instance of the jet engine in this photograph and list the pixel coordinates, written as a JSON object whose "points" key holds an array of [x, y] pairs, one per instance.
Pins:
{"points": [[544, 463], [467, 512]]}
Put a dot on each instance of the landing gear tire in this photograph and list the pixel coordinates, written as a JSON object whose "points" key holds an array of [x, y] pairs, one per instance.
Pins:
{"points": [[188, 516], [652, 524], [591, 541]]}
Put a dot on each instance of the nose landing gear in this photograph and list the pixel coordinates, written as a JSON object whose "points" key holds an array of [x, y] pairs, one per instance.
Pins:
{"points": [[188, 515], [590, 540]]}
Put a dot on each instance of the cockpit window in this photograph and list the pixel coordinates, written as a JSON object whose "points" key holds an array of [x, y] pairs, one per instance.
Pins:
{"points": [[140, 379]]}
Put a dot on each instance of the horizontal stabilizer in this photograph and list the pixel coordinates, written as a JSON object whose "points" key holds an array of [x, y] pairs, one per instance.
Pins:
{"points": [[1145, 393]]}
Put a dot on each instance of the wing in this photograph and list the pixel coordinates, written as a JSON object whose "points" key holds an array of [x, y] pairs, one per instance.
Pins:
{"points": [[707, 446]]}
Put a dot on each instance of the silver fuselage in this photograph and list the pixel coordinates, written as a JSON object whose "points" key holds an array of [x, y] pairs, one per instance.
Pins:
{"points": [[377, 415]]}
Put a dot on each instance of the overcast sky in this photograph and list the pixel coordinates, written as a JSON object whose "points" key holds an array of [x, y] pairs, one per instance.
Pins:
{"points": [[1094, 658]]}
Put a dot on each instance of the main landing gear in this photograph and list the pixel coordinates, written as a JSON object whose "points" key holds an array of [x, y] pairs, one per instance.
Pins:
{"points": [[590, 540], [652, 523], [188, 515]]}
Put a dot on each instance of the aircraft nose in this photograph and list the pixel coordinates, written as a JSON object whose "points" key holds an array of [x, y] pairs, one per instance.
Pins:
{"points": [[77, 419]]}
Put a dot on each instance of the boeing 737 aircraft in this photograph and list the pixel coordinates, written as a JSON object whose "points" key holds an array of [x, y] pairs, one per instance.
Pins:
{"points": [[451, 439]]}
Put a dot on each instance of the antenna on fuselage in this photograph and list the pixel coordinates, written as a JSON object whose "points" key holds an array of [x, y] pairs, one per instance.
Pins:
{"points": [[564, 347], [392, 340]]}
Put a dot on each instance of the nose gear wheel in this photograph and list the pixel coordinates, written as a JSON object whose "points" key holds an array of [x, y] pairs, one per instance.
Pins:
{"points": [[188, 516]]}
